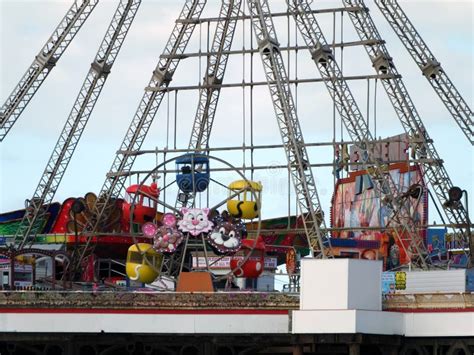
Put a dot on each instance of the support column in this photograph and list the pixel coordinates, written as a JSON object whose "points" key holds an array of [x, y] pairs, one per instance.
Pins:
{"points": [[298, 350], [208, 348], [354, 349]]}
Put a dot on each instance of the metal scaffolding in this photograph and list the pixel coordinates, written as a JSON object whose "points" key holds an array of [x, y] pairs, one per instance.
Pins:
{"points": [[77, 120], [283, 89], [44, 63]]}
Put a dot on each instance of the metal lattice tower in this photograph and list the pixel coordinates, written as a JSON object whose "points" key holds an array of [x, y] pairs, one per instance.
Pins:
{"points": [[77, 120], [204, 118], [216, 67], [44, 63], [209, 96], [141, 122], [356, 126], [435, 173], [285, 109], [429, 66], [291, 134]]}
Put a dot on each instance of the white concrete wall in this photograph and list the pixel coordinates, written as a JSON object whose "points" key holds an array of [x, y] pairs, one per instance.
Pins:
{"points": [[345, 296], [435, 281], [144, 323], [384, 323], [341, 284], [439, 324], [303, 322], [376, 322], [323, 322], [365, 284], [320, 278], [347, 321]]}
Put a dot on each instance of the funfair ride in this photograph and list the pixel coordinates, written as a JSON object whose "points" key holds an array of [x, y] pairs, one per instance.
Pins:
{"points": [[163, 238]]}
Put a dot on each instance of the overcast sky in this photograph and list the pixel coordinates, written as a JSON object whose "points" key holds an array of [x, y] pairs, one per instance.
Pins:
{"points": [[446, 26]]}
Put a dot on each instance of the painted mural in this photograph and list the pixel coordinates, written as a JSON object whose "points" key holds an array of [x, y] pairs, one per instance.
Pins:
{"points": [[356, 203]]}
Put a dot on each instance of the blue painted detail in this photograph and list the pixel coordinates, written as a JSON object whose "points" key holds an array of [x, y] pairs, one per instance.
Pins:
{"points": [[196, 158], [355, 243], [436, 242], [362, 183], [470, 280], [368, 184], [193, 173], [359, 185]]}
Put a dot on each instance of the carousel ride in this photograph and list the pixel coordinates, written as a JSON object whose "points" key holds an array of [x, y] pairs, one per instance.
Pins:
{"points": [[381, 186]]}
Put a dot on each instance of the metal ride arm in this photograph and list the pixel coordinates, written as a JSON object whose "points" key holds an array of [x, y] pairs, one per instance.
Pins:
{"points": [[429, 66], [208, 99], [77, 120], [285, 110], [435, 173], [355, 124], [43, 63], [145, 114], [216, 66]]}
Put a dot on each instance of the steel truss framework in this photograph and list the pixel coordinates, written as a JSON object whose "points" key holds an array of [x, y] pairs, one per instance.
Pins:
{"points": [[204, 118], [258, 146], [77, 120], [216, 66], [44, 63], [267, 167], [265, 83], [141, 122], [283, 103], [290, 130], [429, 66], [435, 174], [358, 130]]}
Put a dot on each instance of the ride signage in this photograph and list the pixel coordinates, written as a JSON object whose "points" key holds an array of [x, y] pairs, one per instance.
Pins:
{"points": [[216, 262], [390, 150]]}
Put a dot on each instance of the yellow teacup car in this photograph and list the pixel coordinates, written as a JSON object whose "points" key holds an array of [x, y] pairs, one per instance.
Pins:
{"points": [[244, 205], [143, 263]]}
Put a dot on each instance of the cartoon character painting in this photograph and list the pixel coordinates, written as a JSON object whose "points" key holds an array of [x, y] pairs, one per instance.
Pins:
{"points": [[225, 237], [195, 221], [227, 234]]}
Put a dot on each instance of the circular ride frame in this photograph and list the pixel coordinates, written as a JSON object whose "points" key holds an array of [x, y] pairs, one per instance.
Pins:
{"points": [[256, 233]]}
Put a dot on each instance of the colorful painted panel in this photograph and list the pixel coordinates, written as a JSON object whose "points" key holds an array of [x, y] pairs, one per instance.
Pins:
{"points": [[357, 210], [356, 203], [436, 243], [10, 221]]}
